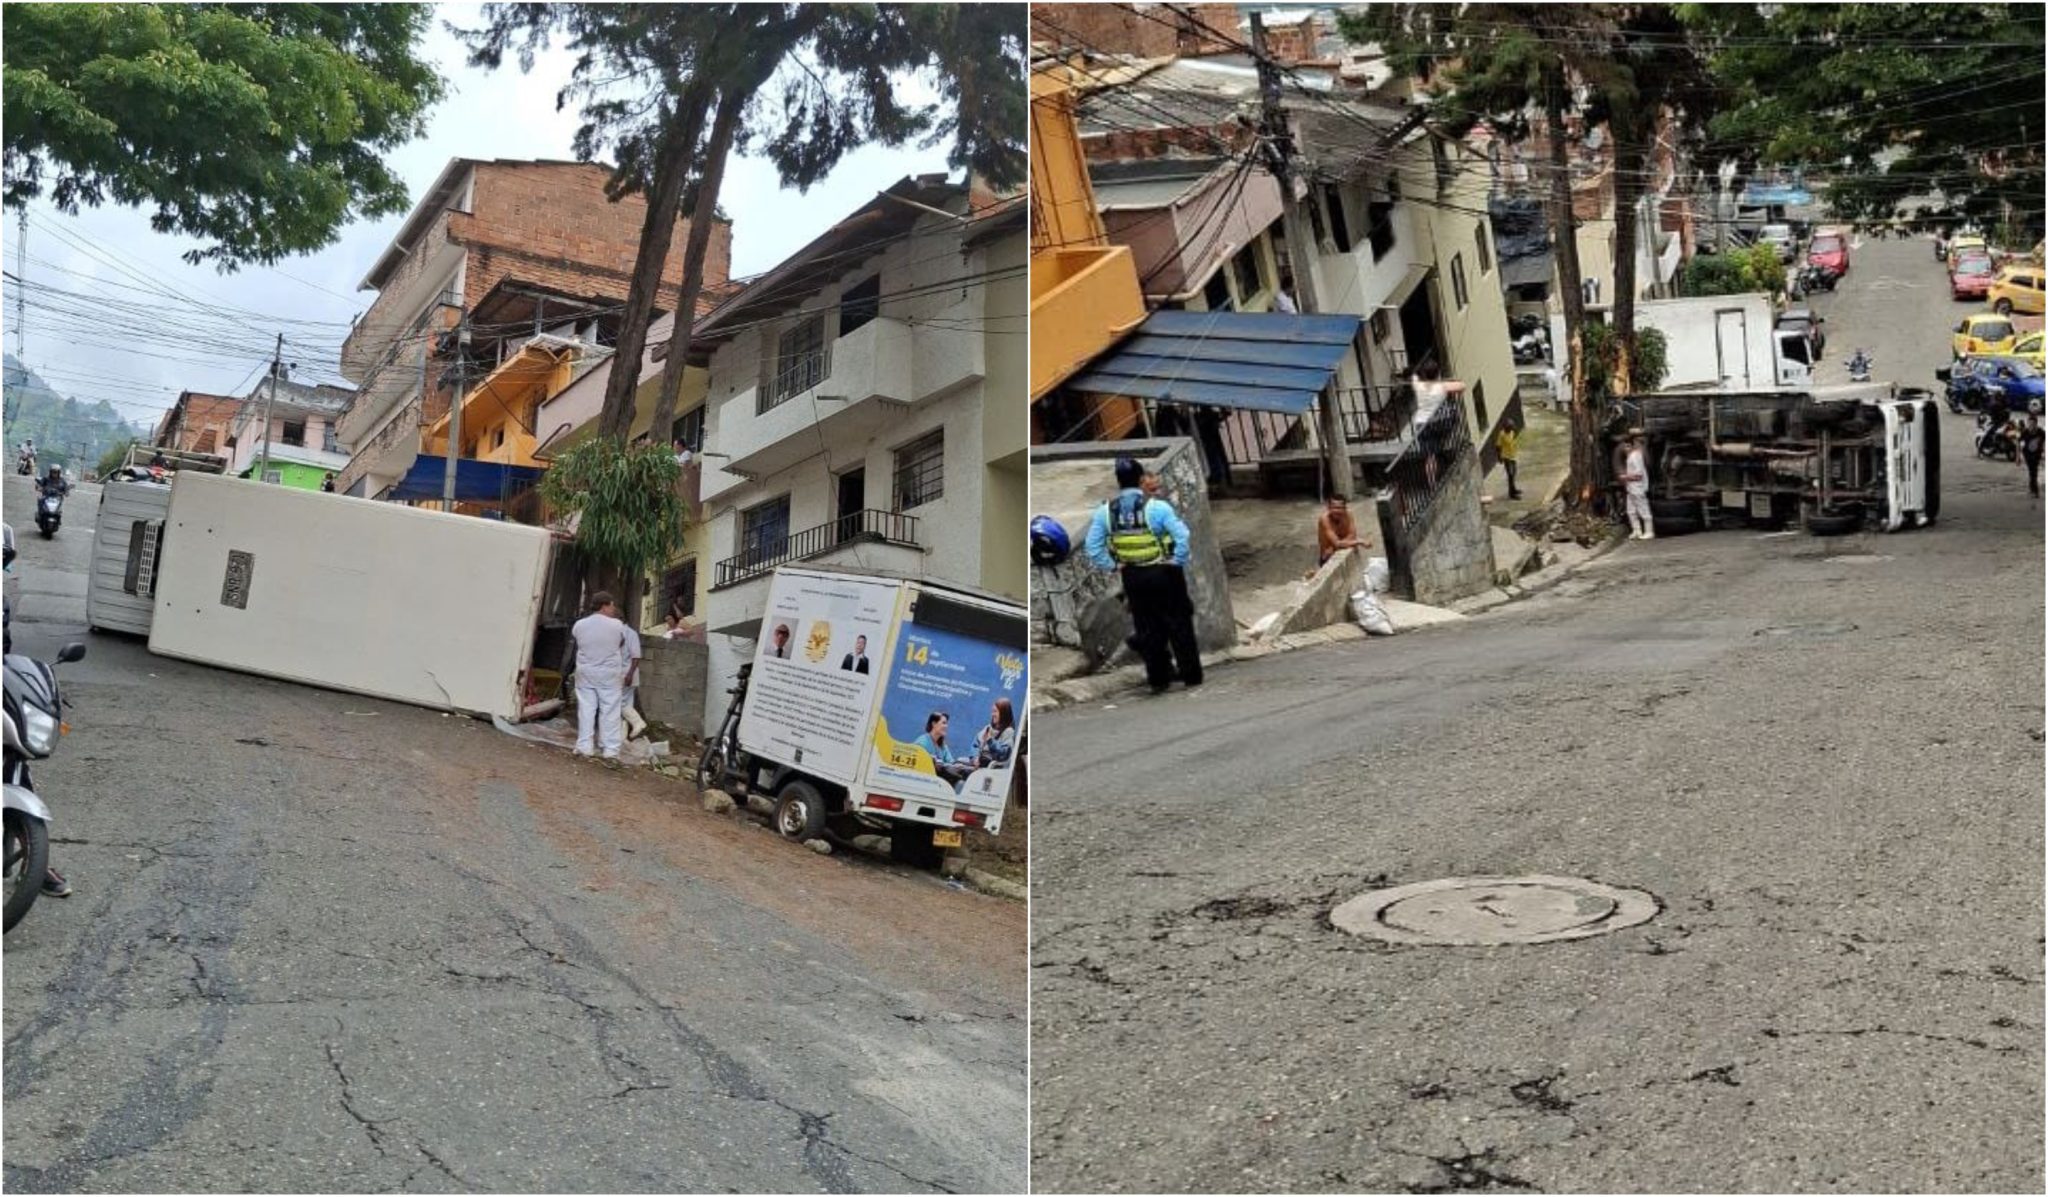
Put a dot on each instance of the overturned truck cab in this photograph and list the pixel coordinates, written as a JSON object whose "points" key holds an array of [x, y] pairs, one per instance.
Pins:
{"points": [[1833, 460]]}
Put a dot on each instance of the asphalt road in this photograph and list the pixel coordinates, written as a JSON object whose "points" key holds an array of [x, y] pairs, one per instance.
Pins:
{"points": [[1824, 758], [328, 944]]}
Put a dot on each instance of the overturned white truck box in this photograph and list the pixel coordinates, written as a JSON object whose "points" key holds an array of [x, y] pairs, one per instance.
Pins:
{"points": [[372, 598], [1831, 459]]}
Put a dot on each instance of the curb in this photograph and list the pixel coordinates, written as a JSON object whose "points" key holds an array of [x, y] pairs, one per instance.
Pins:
{"points": [[1001, 887], [1131, 678]]}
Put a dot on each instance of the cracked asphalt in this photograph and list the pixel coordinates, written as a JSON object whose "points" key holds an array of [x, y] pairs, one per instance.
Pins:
{"points": [[1824, 757], [323, 943]]}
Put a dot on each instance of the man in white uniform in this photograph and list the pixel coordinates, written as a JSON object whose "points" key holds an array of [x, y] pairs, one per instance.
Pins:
{"points": [[601, 667], [634, 655], [1635, 485]]}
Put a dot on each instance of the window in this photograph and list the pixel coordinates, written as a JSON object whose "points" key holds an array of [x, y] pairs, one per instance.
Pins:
{"points": [[1245, 272], [1216, 292], [1379, 326], [1340, 229], [1458, 291], [1316, 226], [274, 477], [1482, 242], [800, 362], [1381, 217], [764, 531], [1443, 166], [689, 429], [1479, 402], [679, 589], [498, 437], [860, 303], [921, 471], [295, 432], [328, 440]]}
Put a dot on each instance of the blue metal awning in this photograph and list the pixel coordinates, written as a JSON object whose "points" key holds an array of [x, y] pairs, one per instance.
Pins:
{"points": [[475, 481], [1259, 361]]}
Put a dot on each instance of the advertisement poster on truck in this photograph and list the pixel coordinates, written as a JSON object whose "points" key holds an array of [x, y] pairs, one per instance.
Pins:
{"points": [[823, 640], [949, 718]]}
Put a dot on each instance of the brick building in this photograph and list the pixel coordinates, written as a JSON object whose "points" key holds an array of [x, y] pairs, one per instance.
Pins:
{"points": [[1140, 30], [534, 243], [198, 423]]}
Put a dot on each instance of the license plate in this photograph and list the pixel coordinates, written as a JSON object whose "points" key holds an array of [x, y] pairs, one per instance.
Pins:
{"points": [[945, 837]]}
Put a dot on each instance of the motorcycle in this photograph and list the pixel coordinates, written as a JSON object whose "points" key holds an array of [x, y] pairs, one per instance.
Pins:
{"points": [[1859, 366], [1531, 347], [723, 756], [25, 464], [49, 514], [1997, 440], [1813, 278], [34, 723]]}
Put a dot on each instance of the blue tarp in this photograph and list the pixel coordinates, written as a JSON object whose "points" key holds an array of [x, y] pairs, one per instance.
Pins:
{"points": [[1259, 361], [1765, 195], [475, 481]]}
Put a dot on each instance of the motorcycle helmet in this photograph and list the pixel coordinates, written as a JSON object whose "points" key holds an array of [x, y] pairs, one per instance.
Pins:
{"points": [[1050, 544], [2033, 407]]}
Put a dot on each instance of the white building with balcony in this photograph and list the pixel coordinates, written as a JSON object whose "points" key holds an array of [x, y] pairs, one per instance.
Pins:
{"points": [[303, 444], [866, 409]]}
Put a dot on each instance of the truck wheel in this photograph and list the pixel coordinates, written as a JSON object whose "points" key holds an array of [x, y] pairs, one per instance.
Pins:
{"points": [[1835, 521], [1676, 517], [799, 812], [911, 844]]}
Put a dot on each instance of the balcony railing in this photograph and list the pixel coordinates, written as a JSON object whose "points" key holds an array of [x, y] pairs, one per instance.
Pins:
{"points": [[855, 527]]}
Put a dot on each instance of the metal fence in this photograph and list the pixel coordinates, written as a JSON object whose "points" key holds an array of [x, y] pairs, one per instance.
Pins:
{"points": [[1417, 476], [867, 526]]}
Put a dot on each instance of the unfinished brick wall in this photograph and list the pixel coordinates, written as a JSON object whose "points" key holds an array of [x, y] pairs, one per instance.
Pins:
{"points": [[200, 415]]}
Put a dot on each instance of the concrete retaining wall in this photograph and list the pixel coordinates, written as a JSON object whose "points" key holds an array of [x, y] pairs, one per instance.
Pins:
{"points": [[672, 682], [1449, 553], [1081, 607], [1329, 596]]}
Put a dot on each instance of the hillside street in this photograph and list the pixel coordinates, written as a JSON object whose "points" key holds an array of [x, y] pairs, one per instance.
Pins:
{"points": [[328, 943], [1822, 756]]}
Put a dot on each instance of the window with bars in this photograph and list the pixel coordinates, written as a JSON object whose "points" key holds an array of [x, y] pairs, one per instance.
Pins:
{"points": [[1216, 292], [921, 471], [294, 432], [679, 590], [764, 531], [689, 429], [800, 362], [328, 440], [1459, 293]]}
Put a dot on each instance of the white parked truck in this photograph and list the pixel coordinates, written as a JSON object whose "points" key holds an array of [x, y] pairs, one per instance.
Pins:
{"points": [[882, 704], [1714, 342]]}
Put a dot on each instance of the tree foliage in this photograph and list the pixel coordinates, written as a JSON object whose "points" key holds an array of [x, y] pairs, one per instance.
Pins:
{"points": [[1648, 361], [631, 512], [1902, 99], [1736, 272], [256, 128]]}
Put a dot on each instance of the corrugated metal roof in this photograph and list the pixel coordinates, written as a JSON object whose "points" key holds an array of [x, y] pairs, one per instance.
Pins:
{"points": [[1258, 361]]}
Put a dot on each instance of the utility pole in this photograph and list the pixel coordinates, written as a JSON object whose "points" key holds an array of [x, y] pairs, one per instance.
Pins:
{"points": [[454, 453], [1279, 140], [276, 368], [20, 312]]}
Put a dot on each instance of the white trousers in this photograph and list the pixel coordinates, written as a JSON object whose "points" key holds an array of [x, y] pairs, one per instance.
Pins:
{"points": [[1639, 511], [597, 710]]}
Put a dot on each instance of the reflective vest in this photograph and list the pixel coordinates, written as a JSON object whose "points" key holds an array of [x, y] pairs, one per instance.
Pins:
{"points": [[1131, 538]]}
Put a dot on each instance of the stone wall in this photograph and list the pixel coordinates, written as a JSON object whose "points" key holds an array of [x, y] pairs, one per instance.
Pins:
{"points": [[672, 683], [1449, 553], [1078, 606]]}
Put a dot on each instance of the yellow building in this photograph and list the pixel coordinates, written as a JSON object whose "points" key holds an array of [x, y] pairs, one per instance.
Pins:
{"points": [[1084, 291], [500, 413]]}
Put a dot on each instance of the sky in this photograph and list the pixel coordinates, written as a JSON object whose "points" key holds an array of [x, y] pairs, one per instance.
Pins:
{"points": [[112, 253]]}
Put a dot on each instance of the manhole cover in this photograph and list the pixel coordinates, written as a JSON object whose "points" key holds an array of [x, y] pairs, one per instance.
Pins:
{"points": [[1477, 911], [1833, 628]]}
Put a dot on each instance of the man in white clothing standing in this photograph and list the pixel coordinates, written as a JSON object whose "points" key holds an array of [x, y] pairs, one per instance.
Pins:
{"points": [[602, 666], [1635, 485], [627, 710]]}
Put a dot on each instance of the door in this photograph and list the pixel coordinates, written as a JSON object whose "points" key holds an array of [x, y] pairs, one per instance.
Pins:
{"points": [[1731, 343], [851, 500], [1795, 359]]}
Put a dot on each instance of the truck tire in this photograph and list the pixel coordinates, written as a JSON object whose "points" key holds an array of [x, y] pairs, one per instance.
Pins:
{"points": [[28, 846], [911, 844], [1839, 521], [1676, 517], [800, 812]]}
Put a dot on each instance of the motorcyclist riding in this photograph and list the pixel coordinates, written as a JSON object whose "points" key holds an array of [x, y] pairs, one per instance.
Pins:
{"points": [[53, 481]]}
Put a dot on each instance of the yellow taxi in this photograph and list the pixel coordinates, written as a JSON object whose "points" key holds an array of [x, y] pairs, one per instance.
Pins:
{"points": [[1963, 245], [1983, 333], [2016, 289], [2027, 348]]}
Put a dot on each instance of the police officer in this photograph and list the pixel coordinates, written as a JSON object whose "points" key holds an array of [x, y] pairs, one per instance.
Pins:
{"points": [[1147, 540]]}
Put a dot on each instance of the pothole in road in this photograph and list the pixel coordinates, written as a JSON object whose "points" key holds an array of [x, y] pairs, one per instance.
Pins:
{"points": [[1823, 628], [1856, 558], [1488, 911]]}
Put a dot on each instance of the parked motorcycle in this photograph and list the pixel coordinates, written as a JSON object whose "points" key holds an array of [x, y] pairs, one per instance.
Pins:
{"points": [[49, 514], [1812, 278], [1997, 440], [1859, 366], [34, 723], [1531, 347]]}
